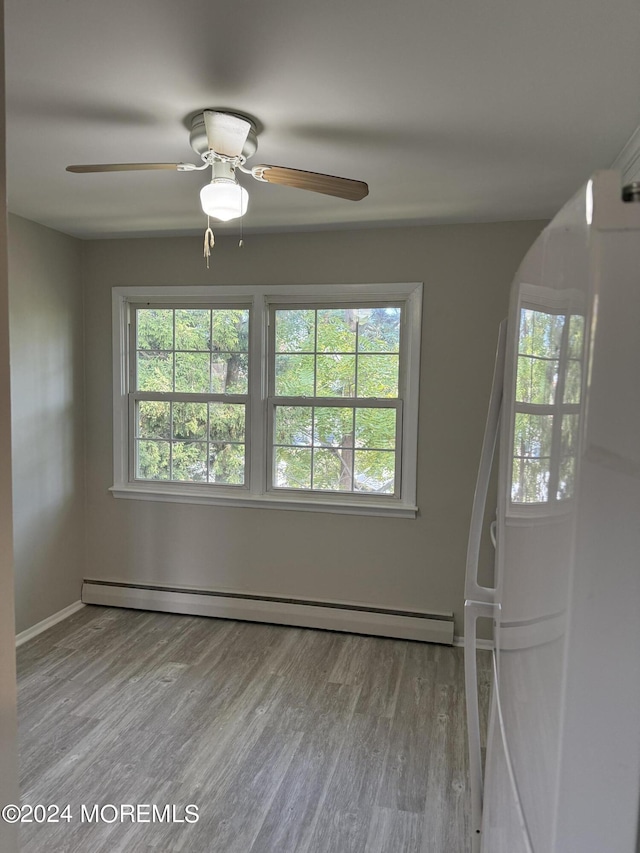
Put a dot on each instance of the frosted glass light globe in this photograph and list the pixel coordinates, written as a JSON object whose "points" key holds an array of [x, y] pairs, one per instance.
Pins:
{"points": [[224, 199]]}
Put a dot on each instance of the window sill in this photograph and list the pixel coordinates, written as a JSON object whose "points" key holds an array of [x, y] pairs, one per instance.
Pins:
{"points": [[141, 492]]}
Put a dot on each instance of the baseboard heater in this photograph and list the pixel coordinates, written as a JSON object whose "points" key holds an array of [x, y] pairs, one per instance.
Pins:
{"points": [[328, 615]]}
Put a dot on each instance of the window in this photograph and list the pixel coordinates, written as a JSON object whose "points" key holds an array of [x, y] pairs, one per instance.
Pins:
{"points": [[547, 405], [298, 397], [188, 393], [344, 364]]}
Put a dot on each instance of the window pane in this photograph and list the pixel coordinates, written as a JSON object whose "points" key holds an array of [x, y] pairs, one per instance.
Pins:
{"points": [[153, 419], [532, 435], [379, 329], [332, 470], [295, 331], [378, 376], [294, 375], [375, 471], [153, 460], [337, 329], [229, 373], [230, 330], [293, 425], [155, 328], [536, 381], [292, 468], [530, 481], [155, 371], [540, 333], [333, 427], [190, 420], [376, 428], [572, 382], [336, 376], [226, 421], [193, 329], [189, 461], [192, 372], [226, 464]]}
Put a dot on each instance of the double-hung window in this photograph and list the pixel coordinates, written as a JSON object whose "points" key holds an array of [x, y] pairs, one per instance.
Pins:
{"points": [[188, 398], [296, 397], [334, 403]]}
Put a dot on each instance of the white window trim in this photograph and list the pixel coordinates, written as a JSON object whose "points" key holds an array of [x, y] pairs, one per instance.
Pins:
{"points": [[256, 495]]}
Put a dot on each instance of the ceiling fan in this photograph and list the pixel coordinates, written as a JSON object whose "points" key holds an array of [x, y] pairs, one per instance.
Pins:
{"points": [[225, 140]]}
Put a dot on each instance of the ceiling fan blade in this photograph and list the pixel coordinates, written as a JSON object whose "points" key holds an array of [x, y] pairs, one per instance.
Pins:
{"points": [[226, 133], [122, 167], [314, 181]]}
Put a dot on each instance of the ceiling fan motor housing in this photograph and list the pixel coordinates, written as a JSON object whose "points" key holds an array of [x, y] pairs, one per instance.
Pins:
{"points": [[198, 135]]}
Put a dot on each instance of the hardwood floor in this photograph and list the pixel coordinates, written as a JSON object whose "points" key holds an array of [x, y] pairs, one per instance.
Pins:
{"points": [[288, 740]]}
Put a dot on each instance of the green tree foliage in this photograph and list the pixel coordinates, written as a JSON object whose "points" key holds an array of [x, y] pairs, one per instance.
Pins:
{"points": [[194, 351], [336, 353], [326, 353]]}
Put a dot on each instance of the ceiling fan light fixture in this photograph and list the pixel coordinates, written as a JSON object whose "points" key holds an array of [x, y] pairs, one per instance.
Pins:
{"points": [[224, 199]]}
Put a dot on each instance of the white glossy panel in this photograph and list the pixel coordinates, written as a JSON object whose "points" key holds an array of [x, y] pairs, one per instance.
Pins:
{"points": [[600, 768], [536, 533], [531, 679], [501, 828], [568, 565]]}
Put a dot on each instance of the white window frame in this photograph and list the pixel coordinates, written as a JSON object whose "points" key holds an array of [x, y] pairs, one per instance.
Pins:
{"points": [[256, 492], [134, 396]]}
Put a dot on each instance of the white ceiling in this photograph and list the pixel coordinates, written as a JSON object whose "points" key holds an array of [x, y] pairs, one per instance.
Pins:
{"points": [[451, 110]]}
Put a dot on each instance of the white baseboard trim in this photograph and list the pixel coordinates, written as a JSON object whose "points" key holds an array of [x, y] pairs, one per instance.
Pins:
{"points": [[406, 625], [487, 645], [49, 622]]}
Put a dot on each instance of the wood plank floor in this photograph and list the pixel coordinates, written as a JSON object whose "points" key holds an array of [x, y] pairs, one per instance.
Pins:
{"points": [[288, 740]]}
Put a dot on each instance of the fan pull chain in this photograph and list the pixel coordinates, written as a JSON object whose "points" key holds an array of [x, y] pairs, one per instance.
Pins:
{"points": [[209, 241], [241, 242]]}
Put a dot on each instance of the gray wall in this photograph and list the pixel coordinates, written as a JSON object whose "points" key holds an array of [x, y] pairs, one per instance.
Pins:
{"points": [[46, 340], [467, 270], [8, 727]]}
